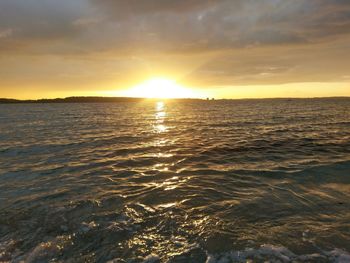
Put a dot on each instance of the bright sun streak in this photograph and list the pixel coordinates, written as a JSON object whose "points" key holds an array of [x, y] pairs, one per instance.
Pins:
{"points": [[160, 88]]}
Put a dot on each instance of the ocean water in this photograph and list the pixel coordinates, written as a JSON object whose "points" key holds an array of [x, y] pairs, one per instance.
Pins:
{"points": [[176, 181]]}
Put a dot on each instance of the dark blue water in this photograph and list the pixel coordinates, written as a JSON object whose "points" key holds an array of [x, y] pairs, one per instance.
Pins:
{"points": [[217, 181]]}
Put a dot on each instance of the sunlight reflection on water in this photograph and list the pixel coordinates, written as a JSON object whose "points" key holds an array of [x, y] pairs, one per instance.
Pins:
{"points": [[160, 117]]}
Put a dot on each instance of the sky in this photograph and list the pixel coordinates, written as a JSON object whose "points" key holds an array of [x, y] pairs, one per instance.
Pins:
{"points": [[218, 48]]}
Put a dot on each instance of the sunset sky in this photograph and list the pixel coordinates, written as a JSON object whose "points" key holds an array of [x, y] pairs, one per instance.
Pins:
{"points": [[215, 48]]}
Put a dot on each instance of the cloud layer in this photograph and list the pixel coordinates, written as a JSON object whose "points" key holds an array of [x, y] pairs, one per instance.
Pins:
{"points": [[236, 42]]}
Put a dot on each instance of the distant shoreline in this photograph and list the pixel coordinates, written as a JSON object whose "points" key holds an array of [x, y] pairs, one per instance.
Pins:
{"points": [[130, 99], [81, 100]]}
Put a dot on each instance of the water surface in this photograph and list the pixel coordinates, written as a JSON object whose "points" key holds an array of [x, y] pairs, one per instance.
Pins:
{"points": [[196, 181]]}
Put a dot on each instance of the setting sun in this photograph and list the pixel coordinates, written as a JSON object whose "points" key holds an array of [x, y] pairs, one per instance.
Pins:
{"points": [[160, 88]]}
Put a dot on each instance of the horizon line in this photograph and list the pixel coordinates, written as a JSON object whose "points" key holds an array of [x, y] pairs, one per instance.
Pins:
{"points": [[71, 98]]}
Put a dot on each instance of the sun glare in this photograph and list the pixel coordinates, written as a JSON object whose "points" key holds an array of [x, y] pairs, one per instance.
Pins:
{"points": [[160, 88]]}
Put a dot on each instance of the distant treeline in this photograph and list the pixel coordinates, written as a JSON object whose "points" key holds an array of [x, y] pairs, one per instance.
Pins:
{"points": [[77, 100]]}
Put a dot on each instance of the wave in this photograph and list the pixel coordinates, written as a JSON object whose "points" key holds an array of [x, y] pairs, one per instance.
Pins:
{"points": [[270, 253]]}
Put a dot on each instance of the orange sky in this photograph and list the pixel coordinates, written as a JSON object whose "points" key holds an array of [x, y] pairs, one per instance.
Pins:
{"points": [[217, 48]]}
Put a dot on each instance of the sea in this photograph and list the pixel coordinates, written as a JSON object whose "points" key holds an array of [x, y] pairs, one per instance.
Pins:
{"points": [[176, 181]]}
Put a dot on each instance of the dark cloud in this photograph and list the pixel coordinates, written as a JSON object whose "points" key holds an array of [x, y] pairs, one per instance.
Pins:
{"points": [[226, 23], [40, 19], [132, 7], [168, 25], [36, 25]]}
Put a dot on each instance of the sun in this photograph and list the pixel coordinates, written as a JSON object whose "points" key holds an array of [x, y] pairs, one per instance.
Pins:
{"points": [[160, 88]]}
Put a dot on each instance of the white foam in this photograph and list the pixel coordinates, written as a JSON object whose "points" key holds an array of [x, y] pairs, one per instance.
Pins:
{"points": [[277, 254], [339, 256], [151, 259]]}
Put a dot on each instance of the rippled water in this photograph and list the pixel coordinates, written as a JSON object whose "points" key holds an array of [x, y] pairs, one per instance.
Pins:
{"points": [[218, 181]]}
